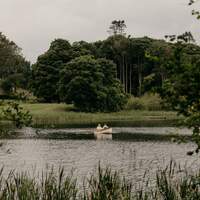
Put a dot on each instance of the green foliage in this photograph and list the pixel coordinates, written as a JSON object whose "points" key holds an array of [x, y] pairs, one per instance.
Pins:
{"points": [[142, 64], [45, 73], [129, 56], [117, 27], [12, 82], [12, 62], [25, 95], [7, 86], [16, 114], [21, 186], [182, 89], [65, 116], [91, 85], [83, 48], [171, 183], [195, 12], [108, 185], [135, 104], [146, 102]]}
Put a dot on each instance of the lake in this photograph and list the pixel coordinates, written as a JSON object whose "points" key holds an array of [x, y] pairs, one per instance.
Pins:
{"points": [[132, 158]]}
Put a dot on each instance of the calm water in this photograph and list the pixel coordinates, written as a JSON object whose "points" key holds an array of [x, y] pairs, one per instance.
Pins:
{"points": [[131, 158]]}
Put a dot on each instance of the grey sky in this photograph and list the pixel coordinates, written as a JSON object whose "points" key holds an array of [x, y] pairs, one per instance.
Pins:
{"points": [[33, 24]]}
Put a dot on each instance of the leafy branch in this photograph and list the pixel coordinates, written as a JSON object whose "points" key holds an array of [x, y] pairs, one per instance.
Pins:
{"points": [[15, 113]]}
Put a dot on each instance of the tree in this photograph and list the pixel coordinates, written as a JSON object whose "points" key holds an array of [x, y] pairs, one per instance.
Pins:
{"points": [[182, 88], [160, 55], [6, 85], [194, 12], [12, 62], [91, 85], [115, 48], [83, 48], [45, 72], [129, 54], [117, 27]]}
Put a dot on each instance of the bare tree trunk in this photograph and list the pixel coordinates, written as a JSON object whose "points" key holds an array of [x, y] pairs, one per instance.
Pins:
{"points": [[140, 81], [121, 70], [126, 77], [120, 78], [124, 73], [139, 77], [130, 79]]}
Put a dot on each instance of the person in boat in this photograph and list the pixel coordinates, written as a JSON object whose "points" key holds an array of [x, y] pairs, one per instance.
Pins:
{"points": [[105, 126], [99, 128]]}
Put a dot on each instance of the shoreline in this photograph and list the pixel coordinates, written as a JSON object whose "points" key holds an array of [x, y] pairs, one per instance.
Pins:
{"points": [[63, 116], [119, 133]]}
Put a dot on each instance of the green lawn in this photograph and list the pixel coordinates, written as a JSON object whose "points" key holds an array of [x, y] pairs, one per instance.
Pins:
{"points": [[61, 115]]}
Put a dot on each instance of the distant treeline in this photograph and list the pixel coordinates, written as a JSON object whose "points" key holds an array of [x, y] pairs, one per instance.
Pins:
{"points": [[139, 64]]}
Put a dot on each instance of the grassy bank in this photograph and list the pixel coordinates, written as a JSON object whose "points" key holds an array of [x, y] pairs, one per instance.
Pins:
{"points": [[105, 184], [61, 115], [147, 110]]}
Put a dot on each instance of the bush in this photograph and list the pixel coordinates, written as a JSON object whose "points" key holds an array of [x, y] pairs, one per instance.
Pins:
{"points": [[146, 102], [7, 86], [134, 103], [25, 95], [15, 113]]}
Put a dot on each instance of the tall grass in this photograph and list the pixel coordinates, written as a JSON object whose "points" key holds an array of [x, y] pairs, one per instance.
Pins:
{"points": [[105, 185], [49, 187], [144, 111], [108, 185], [61, 115], [151, 102]]}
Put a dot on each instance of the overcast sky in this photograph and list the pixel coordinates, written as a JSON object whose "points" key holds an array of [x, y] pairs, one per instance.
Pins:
{"points": [[33, 24]]}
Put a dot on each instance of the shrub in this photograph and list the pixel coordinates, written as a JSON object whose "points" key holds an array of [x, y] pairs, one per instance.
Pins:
{"points": [[25, 95], [16, 114], [146, 102], [7, 86]]}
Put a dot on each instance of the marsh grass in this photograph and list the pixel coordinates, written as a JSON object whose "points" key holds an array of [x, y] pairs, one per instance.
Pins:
{"points": [[144, 111], [21, 186], [171, 183], [108, 185], [63, 116]]}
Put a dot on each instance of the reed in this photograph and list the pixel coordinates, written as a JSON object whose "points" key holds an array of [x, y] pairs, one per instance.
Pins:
{"points": [[106, 184]]}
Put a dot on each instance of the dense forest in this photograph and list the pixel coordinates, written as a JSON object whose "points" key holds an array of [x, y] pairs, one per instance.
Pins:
{"points": [[107, 71]]}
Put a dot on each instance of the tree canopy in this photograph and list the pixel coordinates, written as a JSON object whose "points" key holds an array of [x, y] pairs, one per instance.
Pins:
{"points": [[91, 85], [117, 27], [14, 69], [181, 89], [45, 72]]}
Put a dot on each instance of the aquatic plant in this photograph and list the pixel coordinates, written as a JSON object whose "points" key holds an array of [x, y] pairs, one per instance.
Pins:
{"points": [[106, 184]]}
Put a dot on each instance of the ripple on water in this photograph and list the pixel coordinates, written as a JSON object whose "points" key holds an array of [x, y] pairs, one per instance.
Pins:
{"points": [[133, 159]]}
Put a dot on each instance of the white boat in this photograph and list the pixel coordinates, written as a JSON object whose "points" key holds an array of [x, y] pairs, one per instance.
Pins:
{"points": [[103, 131]]}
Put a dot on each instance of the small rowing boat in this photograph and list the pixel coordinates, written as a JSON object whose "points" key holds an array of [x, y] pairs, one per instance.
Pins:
{"points": [[103, 133]]}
